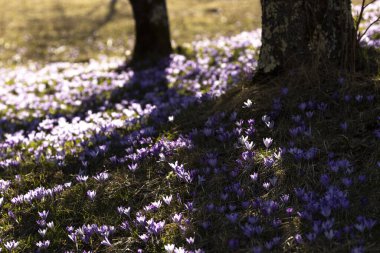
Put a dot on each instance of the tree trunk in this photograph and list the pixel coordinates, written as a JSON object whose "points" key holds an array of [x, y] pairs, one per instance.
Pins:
{"points": [[152, 31], [297, 32]]}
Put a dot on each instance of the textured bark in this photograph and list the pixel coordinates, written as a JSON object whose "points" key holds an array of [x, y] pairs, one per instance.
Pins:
{"points": [[152, 30], [298, 32]]}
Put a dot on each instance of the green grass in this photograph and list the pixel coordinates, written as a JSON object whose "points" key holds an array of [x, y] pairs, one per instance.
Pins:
{"points": [[70, 30]]}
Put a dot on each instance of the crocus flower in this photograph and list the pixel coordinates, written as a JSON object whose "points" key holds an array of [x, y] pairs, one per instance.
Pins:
{"points": [[179, 250], [132, 167], [254, 176], [265, 118], [144, 237], [247, 104], [106, 242], [298, 238], [270, 124], [344, 126], [177, 217], [91, 195], [81, 178], [11, 245], [267, 142], [169, 248], [50, 225], [167, 199], [42, 232], [43, 215], [101, 177], [190, 240], [43, 244], [124, 210]]}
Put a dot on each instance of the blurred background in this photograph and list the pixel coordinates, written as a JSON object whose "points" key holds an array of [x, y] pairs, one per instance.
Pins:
{"points": [[77, 30]]}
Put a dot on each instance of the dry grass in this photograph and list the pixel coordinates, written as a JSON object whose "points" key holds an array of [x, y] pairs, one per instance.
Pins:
{"points": [[70, 30]]}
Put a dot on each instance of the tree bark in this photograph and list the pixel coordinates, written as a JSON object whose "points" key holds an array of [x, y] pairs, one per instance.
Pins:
{"points": [[297, 32], [152, 31]]}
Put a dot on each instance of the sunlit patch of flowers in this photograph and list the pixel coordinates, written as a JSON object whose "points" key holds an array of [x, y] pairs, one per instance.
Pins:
{"points": [[83, 111], [42, 114]]}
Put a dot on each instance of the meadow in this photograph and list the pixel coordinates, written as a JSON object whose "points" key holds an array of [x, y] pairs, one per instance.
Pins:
{"points": [[70, 30], [186, 156]]}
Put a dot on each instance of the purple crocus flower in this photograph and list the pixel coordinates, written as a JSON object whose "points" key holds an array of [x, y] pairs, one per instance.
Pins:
{"points": [[298, 238], [43, 215], [144, 237], [232, 217]]}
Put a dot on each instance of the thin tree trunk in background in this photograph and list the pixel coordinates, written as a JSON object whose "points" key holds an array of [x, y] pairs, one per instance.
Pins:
{"points": [[152, 30], [296, 32], [111, 9]]}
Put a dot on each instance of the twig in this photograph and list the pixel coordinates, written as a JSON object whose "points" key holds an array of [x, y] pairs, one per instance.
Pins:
{"points": [[360, 35], [360, 17], [369, 26]]}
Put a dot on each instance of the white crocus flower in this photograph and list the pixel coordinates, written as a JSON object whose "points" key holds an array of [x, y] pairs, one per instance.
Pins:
{"points": [[267, 142], [247, 104]]}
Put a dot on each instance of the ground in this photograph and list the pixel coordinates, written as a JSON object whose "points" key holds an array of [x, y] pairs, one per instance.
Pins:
{"points": [[190, 156], [79, 30]]}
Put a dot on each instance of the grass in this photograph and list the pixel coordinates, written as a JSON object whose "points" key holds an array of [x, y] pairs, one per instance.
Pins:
{"points": [[153, 180], [357, 145], [57, 30]]}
